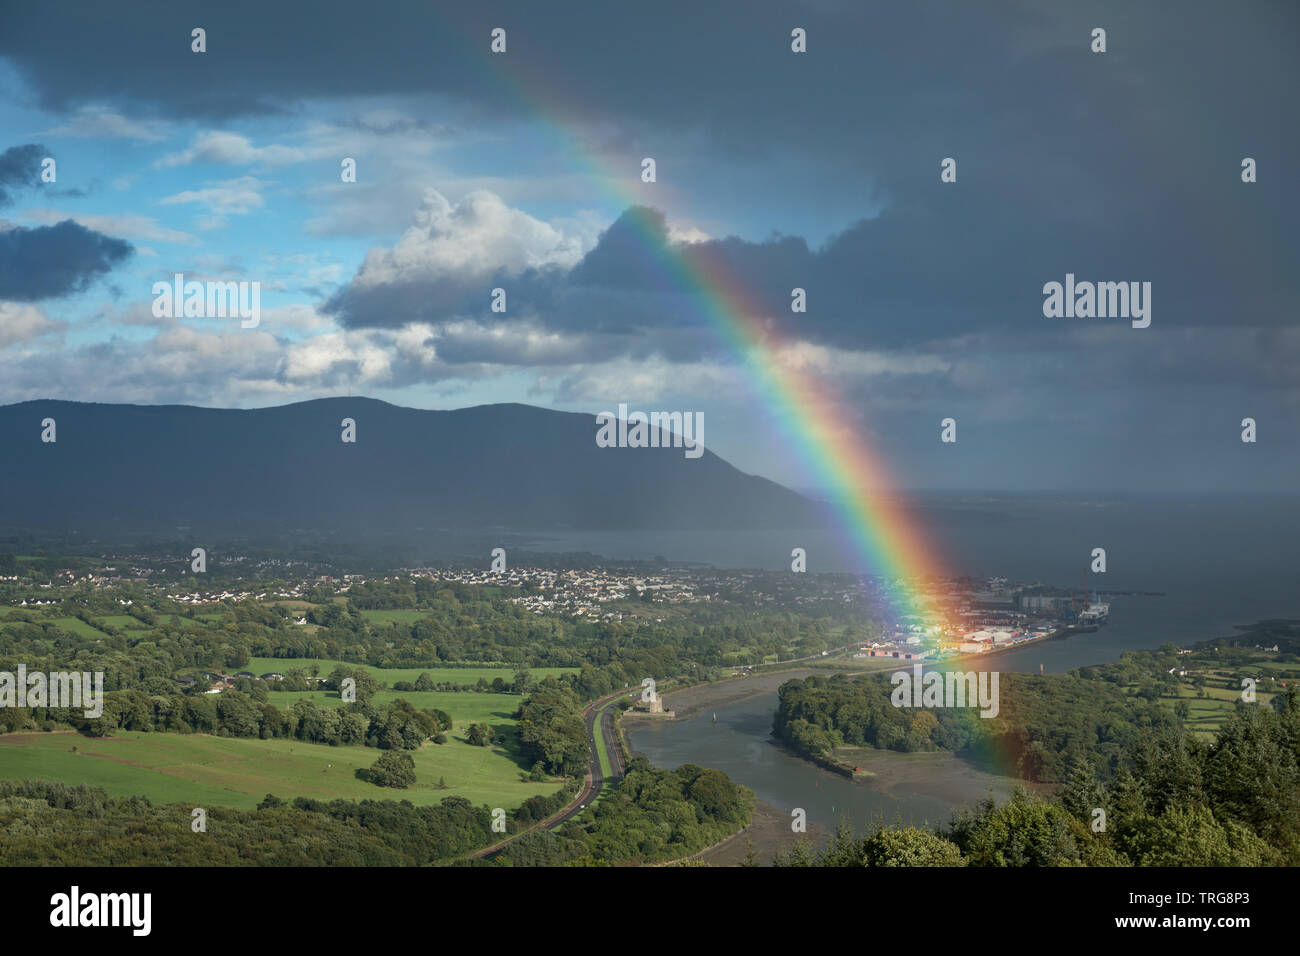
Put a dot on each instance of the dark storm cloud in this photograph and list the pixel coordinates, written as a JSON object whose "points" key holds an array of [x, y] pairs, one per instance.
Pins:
{"points": [[261, 57], [910, 276], [1122, 166], [724, 66], [52, 261], [435, 298], [20, 168]]}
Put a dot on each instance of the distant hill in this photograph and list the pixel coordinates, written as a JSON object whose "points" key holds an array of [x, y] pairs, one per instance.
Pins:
{"points": [[130, 468]]}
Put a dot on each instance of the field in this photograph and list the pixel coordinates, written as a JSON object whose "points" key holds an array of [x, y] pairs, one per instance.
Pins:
{"points": [[1207, 713], [232, 772], [75, 625], [390, 675], [465, 707], [121, 620], [405, 616]]}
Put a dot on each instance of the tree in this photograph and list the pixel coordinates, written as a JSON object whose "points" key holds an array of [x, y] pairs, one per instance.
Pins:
{"points": [[366, 685], [1025, 831], [1192, 837], [1252, 773], [715, 794], [1082, 794], [394, 768], [800, 855], [909, 847], [239, 715], [523, 682]]}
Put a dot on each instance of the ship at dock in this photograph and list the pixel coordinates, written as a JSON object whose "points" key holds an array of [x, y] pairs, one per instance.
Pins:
{"points": [[1095, 613], [1083, 619]]}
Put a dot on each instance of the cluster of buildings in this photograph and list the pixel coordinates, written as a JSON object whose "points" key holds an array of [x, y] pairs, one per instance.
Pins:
{"points": [[967, 616], [582, 593], [289, 592], [217, 683], [958, 616]]}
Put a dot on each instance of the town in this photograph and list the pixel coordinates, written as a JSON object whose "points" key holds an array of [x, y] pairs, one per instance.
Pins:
{"points": [[956, 616]]}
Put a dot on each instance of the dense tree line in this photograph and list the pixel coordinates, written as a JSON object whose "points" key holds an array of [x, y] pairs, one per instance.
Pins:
{"points": [[654, 815], [552, 734], [52, 824], [1045, 725], [399, 725], [1233, 802]]}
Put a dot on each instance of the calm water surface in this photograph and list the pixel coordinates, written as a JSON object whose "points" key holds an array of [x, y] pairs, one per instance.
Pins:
{"points": [[1219, 560]]}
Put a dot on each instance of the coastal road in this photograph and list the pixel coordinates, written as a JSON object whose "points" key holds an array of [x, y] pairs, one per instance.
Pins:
{"points": [[598, 717], [606, 717], [604, 738]]}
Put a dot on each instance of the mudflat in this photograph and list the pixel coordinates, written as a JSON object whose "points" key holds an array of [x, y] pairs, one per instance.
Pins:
{"points": [[767, 834]]}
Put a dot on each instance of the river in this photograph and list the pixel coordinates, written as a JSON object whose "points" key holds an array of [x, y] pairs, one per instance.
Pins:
{"points": [[1219, 561], [918, 789]]}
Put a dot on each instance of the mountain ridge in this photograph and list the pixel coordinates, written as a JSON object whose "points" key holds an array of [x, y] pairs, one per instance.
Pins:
{"points": [[510, 466]]}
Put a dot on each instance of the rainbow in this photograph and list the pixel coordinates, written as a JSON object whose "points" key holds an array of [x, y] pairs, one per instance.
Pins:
{"points": [[810, 417]]}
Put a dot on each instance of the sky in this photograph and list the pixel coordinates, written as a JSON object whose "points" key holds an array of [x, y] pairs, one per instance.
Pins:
{"points": [[819, 170]]}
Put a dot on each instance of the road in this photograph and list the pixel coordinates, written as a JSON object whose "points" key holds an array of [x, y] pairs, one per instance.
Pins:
{"points": [[598, 712], [606, 717]]}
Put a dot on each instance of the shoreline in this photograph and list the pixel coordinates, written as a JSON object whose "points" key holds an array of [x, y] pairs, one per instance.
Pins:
{"points": [[937, 775], [800, 669], [767, 834]]}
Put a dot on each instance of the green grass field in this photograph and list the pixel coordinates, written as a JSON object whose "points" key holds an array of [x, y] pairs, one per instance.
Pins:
{"points": [[217, 771], [75, 625], [120, 620], [1206, 714], [402, 616], [390, 675], [465, 707]]}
